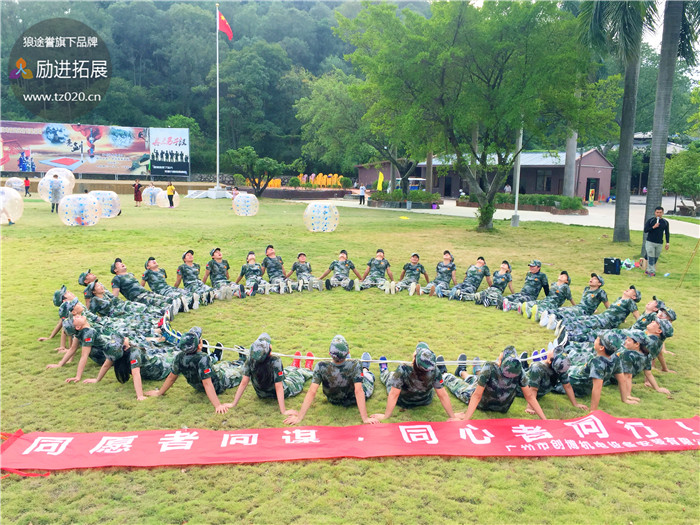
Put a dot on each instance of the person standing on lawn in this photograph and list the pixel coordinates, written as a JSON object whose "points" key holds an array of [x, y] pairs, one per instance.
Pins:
{"points": [[655, 228]]}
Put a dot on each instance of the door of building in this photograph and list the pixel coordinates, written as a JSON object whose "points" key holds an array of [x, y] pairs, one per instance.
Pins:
{"points": [[592, 184], [448, 186]]}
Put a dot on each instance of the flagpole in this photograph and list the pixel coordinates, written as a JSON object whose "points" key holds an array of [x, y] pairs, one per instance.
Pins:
{"points": [[217, 97]]}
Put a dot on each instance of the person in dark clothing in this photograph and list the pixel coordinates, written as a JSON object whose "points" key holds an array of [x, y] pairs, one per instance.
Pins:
{"points": [[655, 229]]}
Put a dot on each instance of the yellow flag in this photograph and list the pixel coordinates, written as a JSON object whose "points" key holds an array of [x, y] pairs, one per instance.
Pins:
{"points": [[380, 181]]}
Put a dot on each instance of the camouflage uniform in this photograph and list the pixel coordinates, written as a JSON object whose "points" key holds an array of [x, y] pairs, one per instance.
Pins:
{"points": [[338, 381], [534, 282], [472, 280], [499, 390], [493, 295], [585, 328], [644, 320], [590, 300], [544, 378], [273, 265], [156, 281], [416, 390], [303, 271], [412, 275], [133, 291], [217, 275], [341, 272], [96, 340], [191, 281], [377, 274], [558, 295], [264, 374], [581, 375], [443, 277], [253, 275], [197, 367], [130, 318]]}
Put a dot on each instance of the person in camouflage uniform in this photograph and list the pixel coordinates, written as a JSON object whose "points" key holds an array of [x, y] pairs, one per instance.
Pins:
{"points": [[493, 386], [472, 279], [587, 377], [103, 306], [341, 273], [410, 275], [412, 385], [274, 266], [558, 294], [592, 296], [493, 295], [535, 281], [585, 328], [126, 284], [445, 273], [304, 277], [60, 297], [375, 274], [188, 275], [155, 277], [92, 341], [85, 279], [201, 374], [270, 380], [252, 272], [217, 270], [346, 382]]}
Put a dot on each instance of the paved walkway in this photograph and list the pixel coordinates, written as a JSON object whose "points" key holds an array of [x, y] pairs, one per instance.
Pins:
{"points": [[599, 215]]}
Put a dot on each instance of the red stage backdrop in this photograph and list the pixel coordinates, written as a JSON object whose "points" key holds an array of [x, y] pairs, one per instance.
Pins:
{"points": [[596, 433]]}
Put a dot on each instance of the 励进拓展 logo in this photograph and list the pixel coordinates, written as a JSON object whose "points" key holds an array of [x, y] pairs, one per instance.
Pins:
{"points": [[21, 70]]}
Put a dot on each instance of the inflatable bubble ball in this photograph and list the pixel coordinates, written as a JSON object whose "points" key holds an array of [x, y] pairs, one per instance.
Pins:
{"points": [[163, 202], [150, 194], [82, 209], [320, 217], [246, 204], [11, 204], [45, 188], [63, 173], [15, 183], [111, 206]]}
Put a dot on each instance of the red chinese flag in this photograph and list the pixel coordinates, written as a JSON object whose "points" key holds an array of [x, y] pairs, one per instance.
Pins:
{"points": [[223, 26]]}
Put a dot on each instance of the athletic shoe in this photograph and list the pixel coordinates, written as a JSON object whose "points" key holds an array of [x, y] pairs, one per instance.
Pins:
{"points": [[309, 362], [383, 364], [551, 346], [366, 358], [412, 289], [328, 284], [300, 285], [184, 301], [357, 285], [195, 301], [520, 309], [505, 305], [241, 291], [351, 285], [562, 338], [267, 290], [534, 356], [296, 362], [387, 287], [533, 313], [290, 286], [477, 365], [523, 361], [461, 364], [281, 287], [440, 361], [559, 328], [254, 290], [544, 318], [392, 287], [218, 351], [528, 311], [242, 357], [553, 321], [452, 295]]}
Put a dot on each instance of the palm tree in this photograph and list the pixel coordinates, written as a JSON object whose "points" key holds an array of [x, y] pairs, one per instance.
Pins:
{"points": [[617, 27], [680, 33]]}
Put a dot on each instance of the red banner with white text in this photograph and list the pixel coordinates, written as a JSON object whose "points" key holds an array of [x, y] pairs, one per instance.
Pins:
{"points": [[594, 434]]}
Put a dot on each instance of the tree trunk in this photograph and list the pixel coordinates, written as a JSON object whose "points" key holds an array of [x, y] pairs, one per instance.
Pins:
{"points": [[392, 172], [673, 15], [429, 172], [621, 233], [570, 165]]}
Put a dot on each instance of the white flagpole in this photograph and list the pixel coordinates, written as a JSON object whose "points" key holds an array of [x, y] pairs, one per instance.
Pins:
{"points": [[217, 97]]}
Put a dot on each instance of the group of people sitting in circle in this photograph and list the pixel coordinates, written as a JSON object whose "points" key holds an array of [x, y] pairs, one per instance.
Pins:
{"points": [[135, 337]]}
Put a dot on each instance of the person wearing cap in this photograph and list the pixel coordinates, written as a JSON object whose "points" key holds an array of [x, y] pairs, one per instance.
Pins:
{"points": [[558, 294], [125, 283], [535, 281], [304, 277], [92, 341], [252, 273], [410, 275], [200, 373], [493, 386], [135, 316], [188, 275], [472, 279], [543, 375], [217, 270], [413, 385], [592, 296], [273, 265], [375, 274], [270, 380], [445, 273], [156, 279], [493, 295], [341, 268], [655, 228], [60, 297], [346, 382], [651, 310], [84, 279], [635, 357]]}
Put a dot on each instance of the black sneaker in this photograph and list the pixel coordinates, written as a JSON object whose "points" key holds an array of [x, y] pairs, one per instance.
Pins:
{"points": [[205, 346], [562, 338], [440, 361], [328, 284], [462, 366], [523, 361], [366, 358], [241, 291], [218, 351], [255, 289], [351, 286]]}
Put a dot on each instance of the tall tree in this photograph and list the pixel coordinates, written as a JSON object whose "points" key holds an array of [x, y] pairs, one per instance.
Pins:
{"points": [[260, 170], [617, 27]]}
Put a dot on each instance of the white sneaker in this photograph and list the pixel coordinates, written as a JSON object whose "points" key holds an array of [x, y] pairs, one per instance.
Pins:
{"points": [[412, 289], [387, 287], [392, 287], [195, 301], [267, 288], [544, 318], [357, 285], [185, 307], [552, 323], [290, 286], [300, 285]]}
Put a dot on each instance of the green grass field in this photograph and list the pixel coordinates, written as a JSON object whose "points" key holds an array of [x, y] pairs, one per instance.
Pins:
{"points": [[39, 254]]}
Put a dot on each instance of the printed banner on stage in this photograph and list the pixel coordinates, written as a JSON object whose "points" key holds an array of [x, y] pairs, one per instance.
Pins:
{"points": [[594, 434], [170, 151]]}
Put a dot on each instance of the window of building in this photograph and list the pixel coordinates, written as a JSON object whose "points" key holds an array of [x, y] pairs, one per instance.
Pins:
{"points": [[543, 182]]}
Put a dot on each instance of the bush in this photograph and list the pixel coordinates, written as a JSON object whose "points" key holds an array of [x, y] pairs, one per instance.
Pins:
{"points": [[566, 203], [346, 182], [238, 180], [422, 196], [294, 182]]}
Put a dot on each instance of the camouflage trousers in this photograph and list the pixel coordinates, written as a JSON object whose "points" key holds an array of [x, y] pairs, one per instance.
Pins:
{"points": [[570, 312], [159, 368], [404, 285], [463, 288], [294, 379], [370, 281], [199, 288], [153, 299], [339, 280], [249, 283], [228, 373], [175, 293], [461, 388], [222, 286], [520, 297], [279, 285], [309, 282], [490, 297], [440, 288], [586, 328]]}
